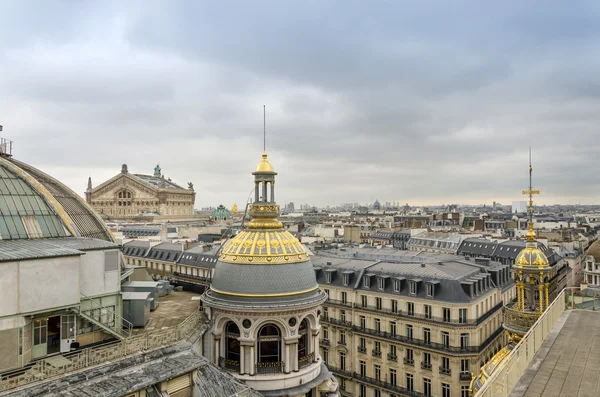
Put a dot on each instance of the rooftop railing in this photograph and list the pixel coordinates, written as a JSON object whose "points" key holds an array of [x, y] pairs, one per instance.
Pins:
{"points": [[81, 359], [505, 377]]}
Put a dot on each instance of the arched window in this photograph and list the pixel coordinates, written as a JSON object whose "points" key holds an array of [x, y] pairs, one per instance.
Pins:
{"points": [[232, 333], [303, 341], [269, 344]]}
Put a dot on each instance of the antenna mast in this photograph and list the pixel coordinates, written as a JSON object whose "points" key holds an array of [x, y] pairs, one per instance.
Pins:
{"points": [[264, 128]]}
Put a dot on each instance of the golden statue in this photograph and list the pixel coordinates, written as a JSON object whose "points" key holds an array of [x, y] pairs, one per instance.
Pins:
{"points": [[234, 209]]}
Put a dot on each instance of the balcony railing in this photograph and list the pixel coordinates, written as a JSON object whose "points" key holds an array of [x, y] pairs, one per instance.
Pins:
{"points": [[97, 355], [307, 360], [229, 365], [518, 321], [387, 386], [335, 321], [409, 361], [425, 366], [340, 371], [510, 370], [445, 371], [376, 353], [269, 368], [465, 376], [392, 357], [325, 342], [335, 302], [428, 344], [420, 316], [361, 349]]}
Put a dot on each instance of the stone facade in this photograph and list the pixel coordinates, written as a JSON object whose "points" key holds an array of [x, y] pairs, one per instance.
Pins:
{"points": [[129, 195], [383, 345]]}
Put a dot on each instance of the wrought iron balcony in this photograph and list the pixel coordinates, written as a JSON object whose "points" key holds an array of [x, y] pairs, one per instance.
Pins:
{"points": [[335, 321], [445, 371], [325, 342], [518, 321], [409, 361], [465, 376], [425, 366], [307, 360], [376, 353], [362, 349], [269, 368], [392, 357], [229, 365], [395, 389], [453, 322], [428, 344]]}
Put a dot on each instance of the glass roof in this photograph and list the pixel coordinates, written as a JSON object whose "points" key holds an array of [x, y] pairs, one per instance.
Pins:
{"points": [[23, 212]]}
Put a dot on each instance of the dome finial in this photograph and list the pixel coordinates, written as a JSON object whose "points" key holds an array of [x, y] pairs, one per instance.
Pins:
{"points": [[530, 192]]}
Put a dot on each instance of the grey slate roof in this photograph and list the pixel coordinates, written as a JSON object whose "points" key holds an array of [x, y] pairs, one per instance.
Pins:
{"points": [[141, 231], [255, 279], [451, 275], [499, 251], [197, 257], [136, 248], [11, 250]]}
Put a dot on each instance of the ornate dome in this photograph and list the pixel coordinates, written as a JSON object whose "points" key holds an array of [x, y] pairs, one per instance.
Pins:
{"points": [[263, 260], [532, 256], [35, 205], [264, 165], [594, 251]]}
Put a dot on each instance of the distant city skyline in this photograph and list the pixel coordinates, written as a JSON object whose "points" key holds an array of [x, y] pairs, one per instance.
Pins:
{"points": [[401, 101]]}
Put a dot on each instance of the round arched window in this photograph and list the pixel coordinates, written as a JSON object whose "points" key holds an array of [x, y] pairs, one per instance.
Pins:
{"points": [[303, 341], [232, 333], [269, 344]]}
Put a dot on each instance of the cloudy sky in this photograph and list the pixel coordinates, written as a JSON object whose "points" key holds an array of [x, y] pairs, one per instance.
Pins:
{"points": [[421, 102]]}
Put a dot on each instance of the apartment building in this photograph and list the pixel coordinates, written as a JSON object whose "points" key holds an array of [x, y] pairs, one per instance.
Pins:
{"points": [[410, 325]]}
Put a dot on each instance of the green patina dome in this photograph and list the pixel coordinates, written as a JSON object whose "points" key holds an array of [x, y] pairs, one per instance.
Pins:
{"points": [[221, 213]]}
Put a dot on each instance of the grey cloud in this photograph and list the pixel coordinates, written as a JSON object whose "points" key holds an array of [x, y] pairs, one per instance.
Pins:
{"points": [[421, 102]]}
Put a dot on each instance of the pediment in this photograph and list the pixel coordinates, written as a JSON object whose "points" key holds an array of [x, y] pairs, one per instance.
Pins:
{"points": [[119, 181]]}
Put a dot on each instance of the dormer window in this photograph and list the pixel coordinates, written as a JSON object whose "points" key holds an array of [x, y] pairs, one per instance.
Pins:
{"points": [[381, 283], [346, 279], [396, 285], [430, 290], [328, 278], [366, 282], [412, 287]]}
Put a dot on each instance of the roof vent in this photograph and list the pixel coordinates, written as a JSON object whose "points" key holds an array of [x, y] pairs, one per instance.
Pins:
{"points": [[422, 265], [328, 263]]}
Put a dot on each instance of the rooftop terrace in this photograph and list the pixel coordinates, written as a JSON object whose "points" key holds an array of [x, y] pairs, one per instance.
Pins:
{"points": [[559, 356]]}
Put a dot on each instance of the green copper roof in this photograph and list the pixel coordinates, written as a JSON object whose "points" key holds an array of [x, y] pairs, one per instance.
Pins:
{"points": [[23, 212]]}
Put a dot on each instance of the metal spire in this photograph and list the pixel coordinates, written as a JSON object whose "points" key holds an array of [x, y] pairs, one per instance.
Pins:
{"points": [[530, 192], [265, 128]]}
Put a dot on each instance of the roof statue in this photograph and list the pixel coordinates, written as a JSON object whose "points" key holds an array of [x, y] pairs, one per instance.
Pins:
{"points": [[234, 209], [190, 186], [89, 185], [531, 273], [124, 169], [157, 170]]}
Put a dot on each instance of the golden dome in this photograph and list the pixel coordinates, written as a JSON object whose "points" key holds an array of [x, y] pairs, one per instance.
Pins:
{"points": [[264, 247], [532, 256], [264, 165]]}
